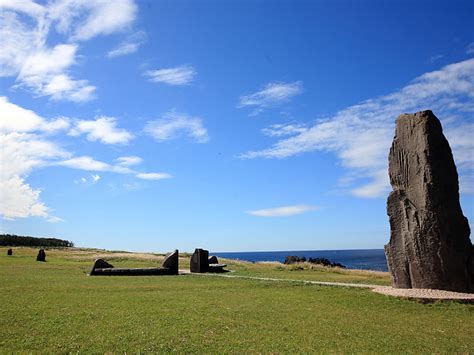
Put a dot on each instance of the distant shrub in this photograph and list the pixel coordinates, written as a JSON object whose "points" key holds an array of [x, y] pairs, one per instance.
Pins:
{"points": [[27, 241], [291, 259]]}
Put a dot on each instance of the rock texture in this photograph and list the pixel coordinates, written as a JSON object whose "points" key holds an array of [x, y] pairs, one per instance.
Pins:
{"points": [[41, 255], [429, 243]]}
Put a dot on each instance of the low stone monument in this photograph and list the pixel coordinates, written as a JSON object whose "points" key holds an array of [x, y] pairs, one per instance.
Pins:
{"points": [[200, 262], [169, 266], [429, 241], [41, 255], [9, 252]]}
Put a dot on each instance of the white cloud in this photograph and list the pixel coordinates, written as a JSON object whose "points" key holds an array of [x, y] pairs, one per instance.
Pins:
{"points": [[175, 124], [361, 135], [95, 178], [284, 211], [272, 94], [470, 48], [17, 119], [26, 141], [181, 75], [281, 130], [129, 160], [102, 129], [90, 164], [20, 154], [32, 53], [20, 200], [153, 176], [85, 19], [129, 46]]}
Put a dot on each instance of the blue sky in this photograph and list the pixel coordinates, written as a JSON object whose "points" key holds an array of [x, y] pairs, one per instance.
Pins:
{"points": [[229, 125]]}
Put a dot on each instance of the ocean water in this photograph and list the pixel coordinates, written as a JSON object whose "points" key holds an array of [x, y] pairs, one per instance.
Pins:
{"points": [[364, 259]]}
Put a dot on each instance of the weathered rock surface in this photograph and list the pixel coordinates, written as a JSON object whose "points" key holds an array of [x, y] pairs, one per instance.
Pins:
{"points": [[41, 255], [429, 243]]}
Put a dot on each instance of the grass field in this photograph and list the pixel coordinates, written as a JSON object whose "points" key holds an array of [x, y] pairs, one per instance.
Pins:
{"points": [[56, 307]]}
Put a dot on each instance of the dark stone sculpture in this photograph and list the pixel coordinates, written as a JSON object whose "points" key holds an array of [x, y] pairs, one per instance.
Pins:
{"points": [[171, 262], [429, 242], [168, 267], [100, 264], [213, 260], [200, 262], [41, 255], [9, 252]]}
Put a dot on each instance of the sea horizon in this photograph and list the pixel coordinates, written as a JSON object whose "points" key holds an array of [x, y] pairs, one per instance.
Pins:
{"points": [[363, 259]]}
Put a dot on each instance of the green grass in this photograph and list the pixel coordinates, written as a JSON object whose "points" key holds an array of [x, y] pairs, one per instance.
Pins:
{"points": [[56, 307]]}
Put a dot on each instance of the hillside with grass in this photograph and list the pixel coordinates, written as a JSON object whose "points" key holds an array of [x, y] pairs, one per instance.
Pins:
{"points": [[56, 307]]}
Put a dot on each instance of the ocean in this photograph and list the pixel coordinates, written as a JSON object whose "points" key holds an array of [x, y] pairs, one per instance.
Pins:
{"points": [[364, 259]]}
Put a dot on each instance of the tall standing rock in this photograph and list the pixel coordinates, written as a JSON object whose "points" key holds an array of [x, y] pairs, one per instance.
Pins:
{"points": [[429, 242]]}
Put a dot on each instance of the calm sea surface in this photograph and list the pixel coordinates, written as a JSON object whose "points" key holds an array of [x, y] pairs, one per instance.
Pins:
{"points": [[365, 259]]}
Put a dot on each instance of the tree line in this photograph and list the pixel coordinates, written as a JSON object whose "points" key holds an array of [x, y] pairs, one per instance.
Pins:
{"points": [[12, 240]]}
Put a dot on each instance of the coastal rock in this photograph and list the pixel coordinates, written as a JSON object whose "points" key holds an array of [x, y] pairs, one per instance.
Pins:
{"points": [[213, 260], [429, 241], [41, 255], [9, 252]]}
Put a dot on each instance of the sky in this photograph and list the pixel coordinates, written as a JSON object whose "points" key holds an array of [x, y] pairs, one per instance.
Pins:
{"points": [[229, 125]]}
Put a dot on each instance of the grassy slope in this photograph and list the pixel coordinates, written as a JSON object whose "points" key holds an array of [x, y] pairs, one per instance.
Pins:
{"points": [[55, 307]]}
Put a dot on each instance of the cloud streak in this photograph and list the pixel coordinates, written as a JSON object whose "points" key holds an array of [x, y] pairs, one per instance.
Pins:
{"points": [[175, 124], [283, 211], [129, 46], [360, 135], [270, 95], [178, 76]]}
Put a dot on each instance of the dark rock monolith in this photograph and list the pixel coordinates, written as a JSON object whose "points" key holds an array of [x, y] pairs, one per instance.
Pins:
{"points": [[429, 241], [199, 261], [41, 255], [9, 252]]}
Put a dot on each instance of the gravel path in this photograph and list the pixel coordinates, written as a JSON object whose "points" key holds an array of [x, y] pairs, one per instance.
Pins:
{"points": [[418, 293], [423, 293]]}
